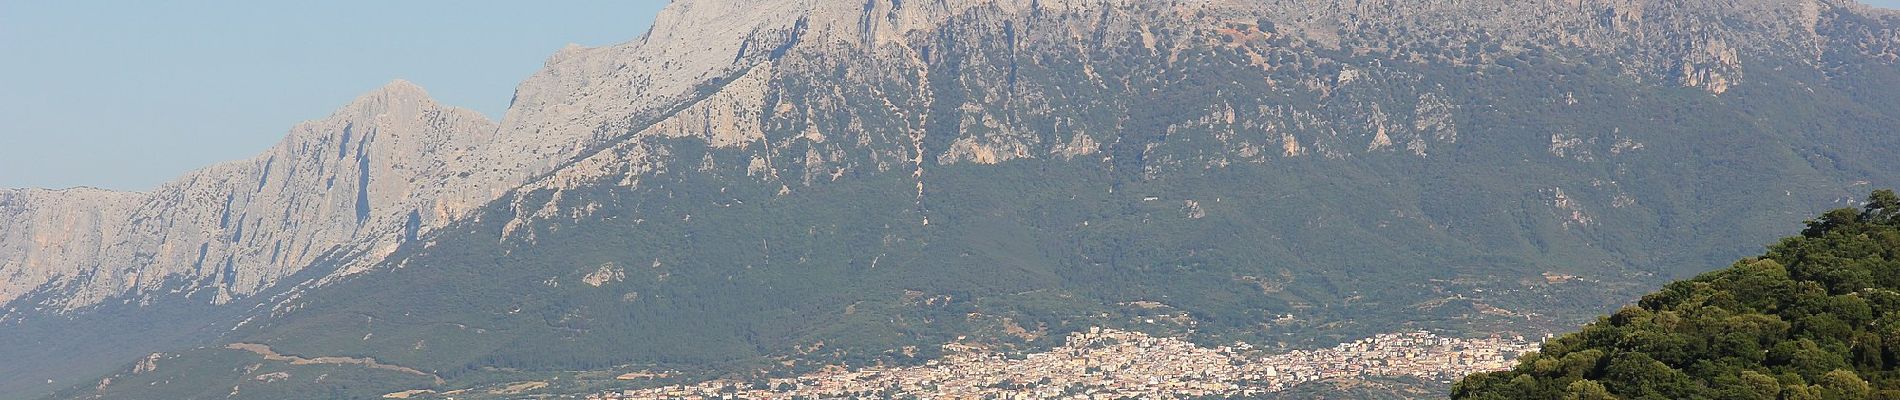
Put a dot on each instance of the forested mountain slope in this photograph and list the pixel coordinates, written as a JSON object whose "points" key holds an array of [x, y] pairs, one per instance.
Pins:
{"points": [[1813, 318]]}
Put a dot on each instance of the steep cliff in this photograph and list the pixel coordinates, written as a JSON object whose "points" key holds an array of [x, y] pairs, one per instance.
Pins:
{"points": [[1316, 50], [371, 175], [48, 235]]}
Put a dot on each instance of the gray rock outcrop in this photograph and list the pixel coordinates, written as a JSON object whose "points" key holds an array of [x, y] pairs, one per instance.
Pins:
{"points": [[393, 165]]}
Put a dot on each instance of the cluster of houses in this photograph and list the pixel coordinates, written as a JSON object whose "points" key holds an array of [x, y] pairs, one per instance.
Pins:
{"points": [[1113, 364]]}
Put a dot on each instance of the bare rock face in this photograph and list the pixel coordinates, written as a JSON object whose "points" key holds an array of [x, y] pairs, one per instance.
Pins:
{"points": [[387, 168], [807, 91], [348, 189], [736, 73], [367, 176], [46, 234]]}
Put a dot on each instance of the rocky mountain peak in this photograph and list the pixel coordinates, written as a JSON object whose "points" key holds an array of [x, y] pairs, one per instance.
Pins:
{"points": [[397, 93], [374, 173]]}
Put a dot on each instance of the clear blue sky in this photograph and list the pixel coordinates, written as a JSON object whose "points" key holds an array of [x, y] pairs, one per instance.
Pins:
{"points": [[128, 94]]}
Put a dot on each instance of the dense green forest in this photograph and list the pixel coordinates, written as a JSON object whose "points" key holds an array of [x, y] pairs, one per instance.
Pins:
{"points": [[1817, 317]]}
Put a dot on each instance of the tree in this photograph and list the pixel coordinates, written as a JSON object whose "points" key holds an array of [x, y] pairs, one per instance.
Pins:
{"points": [[1636, 375], [1587, 390], [1816, 317], [1756, 385], [1837, 220], [1801, 392], [1805, 357], [1582, 363], [1883, 207], [1842, 384]]}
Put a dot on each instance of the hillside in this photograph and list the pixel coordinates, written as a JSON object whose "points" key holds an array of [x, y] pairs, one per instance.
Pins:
{"points": [[1813, 318], [757, 189]]}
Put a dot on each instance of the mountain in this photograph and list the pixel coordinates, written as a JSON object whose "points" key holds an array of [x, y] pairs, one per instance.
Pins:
{"points": [[390, 166], [781, 187], [1813, 318], [364, 178]]}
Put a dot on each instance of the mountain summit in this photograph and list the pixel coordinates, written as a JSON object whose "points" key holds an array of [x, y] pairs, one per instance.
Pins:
{"points": [[234, 228]]}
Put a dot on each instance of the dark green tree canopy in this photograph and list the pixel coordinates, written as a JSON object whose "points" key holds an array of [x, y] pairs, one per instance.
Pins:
{"points": [[1817, 317]]}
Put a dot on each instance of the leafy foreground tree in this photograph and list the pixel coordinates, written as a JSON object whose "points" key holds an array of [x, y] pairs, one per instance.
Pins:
{"points": [[1817, 317]]}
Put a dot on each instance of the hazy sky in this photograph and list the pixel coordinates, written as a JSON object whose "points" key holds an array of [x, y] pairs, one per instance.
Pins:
{"points": [[128, 94]]}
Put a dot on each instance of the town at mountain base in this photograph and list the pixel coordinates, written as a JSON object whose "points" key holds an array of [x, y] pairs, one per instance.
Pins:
{"points": [[1816, 317]]}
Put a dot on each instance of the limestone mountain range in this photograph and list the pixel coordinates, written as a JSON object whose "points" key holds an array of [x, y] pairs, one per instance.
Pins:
{"points": [[365, 176], [793, 95], [393, 164]]}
